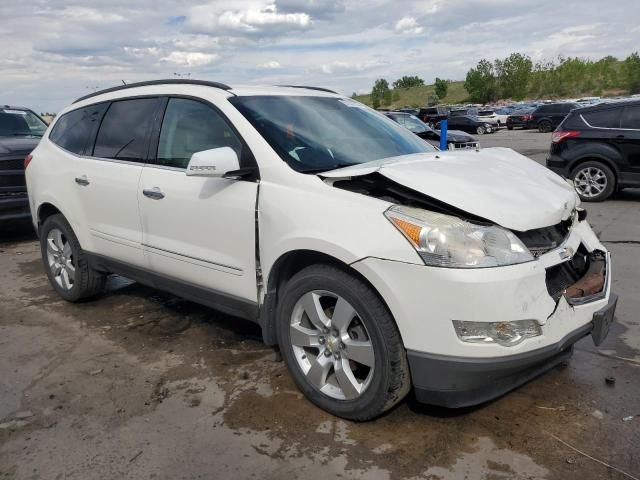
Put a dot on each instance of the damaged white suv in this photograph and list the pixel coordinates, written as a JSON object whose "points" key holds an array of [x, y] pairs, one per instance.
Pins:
{"points": [[373, 260]]}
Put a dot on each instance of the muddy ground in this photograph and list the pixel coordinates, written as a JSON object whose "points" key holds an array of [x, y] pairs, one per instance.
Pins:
{"points": [[139, 384]]}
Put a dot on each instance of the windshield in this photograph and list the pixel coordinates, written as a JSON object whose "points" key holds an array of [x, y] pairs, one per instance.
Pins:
{"points": [[314, 134], [414, 124], [20, 123]]}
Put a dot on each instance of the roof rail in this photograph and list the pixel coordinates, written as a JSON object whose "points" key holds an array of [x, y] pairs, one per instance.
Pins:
{"points": [[319, 89], [171, 81]]}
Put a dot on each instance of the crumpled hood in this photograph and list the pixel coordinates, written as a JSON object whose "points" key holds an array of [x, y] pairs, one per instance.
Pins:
{"points": [[17, 145], [497, 184]]}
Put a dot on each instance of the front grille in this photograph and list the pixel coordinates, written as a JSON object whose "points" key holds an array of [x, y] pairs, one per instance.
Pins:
{"points": [[543, 240]]}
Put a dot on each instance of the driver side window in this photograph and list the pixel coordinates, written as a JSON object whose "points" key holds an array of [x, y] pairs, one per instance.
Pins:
{"points": [[190, 126]]}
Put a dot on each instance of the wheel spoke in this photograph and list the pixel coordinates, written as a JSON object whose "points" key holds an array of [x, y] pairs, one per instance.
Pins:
{"points": [[56, 235], [303, 337], [66, 250], [64, 276], [313, 309], [360, 351], [346, 380], [343, 314], [71, 270], [317, 374], [56, 269], [51, 246]]}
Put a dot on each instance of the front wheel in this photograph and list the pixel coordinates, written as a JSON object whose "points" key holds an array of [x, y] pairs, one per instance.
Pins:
{"points": [[593, 181], [544, 127], [65, 262], [341, 344]]}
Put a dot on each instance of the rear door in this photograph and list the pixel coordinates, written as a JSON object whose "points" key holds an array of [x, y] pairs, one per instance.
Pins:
{"points": [[629, 138], [106, 178], [200, 231]]}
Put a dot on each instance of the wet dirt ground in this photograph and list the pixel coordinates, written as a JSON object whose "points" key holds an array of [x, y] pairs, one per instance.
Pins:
{"points": [[139, 384]]}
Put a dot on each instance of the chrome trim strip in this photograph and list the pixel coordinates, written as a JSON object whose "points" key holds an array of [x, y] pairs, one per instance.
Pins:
{"points": [[239, 270]]}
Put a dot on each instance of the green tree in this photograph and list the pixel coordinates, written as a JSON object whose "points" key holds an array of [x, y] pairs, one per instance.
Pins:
{"points": [[433, 99], [441, 87], [513, 75], [408, 82], [380, 94], [481, 82], [631, 70]]}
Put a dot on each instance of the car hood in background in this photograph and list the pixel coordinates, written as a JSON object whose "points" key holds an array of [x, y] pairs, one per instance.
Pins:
{"points": [[497, 184], [12, 146], [458, 136]]}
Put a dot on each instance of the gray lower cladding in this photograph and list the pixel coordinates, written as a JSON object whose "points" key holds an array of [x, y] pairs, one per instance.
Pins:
{"points": [[456, 382]]}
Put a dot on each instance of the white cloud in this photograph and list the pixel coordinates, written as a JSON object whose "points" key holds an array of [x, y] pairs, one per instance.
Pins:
{"points": [[190, 59], [270, 65], [408, 25]]}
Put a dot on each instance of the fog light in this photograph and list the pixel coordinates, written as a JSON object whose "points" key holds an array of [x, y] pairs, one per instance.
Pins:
{"points": [[506, 334]]}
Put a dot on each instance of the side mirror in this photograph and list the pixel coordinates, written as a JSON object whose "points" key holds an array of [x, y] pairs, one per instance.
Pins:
{"points": [[213, 163]]}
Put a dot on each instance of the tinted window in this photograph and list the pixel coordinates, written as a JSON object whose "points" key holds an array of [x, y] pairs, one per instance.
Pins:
{"points": [[190, 126], [567, 107], [73, 129], [609, 118], [124, 130], [631, 117], [20, 123], [544, 109]]}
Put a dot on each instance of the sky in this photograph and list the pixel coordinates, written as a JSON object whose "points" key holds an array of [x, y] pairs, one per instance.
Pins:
{"points": [[54, 51]]}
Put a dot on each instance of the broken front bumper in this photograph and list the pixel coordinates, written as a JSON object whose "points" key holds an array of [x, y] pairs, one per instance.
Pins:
{"points": [[425, 300]]}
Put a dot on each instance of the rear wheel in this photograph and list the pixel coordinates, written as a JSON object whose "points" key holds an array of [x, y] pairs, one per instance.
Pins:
{"points": [[594, 181], [509, 127], [341, 344], [544, 126], [66, 263], [481, 130]]}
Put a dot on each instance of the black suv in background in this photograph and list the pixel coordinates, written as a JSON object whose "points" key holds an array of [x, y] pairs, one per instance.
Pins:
{"points": [[548, 116], [599, 149], [20, 132]]}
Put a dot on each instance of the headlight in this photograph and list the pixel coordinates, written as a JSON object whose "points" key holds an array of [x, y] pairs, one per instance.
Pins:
{"points": [[506, 334], [447, 241]]}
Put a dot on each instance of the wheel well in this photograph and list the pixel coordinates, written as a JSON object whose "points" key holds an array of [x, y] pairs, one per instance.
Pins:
{"points": [[282, 271], [45, 211], [604, 161]]}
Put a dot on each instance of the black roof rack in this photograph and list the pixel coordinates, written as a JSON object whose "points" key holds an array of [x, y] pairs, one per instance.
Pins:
{"points": [[319, 89], [172, 81]]}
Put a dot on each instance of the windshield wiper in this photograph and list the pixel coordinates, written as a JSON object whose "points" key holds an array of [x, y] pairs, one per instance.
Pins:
{"points": [[325, 169]]}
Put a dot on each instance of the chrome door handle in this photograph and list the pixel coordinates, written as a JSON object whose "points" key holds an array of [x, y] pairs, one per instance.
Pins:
{"points": [[82, 181], [155, 193]]}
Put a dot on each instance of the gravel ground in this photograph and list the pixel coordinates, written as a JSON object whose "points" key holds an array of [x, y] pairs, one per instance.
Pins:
{"points": [[140, 384]]}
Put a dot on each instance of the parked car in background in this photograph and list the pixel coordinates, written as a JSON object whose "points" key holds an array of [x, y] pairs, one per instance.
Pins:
{"points": [[470, 124], [502, 114], [598, 148], [519, 119], [20, 132], [548, 116], [455, 138], [432, 115], [490, 116], [374, 261]]}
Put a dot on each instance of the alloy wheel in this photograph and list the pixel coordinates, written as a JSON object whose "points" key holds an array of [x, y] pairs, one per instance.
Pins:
{"points": [[590, 182], [60, 259], [331, 345]]}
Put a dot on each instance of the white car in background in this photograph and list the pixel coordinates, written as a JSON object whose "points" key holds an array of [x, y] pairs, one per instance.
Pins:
{"points": [[374, 261], [491, 116]]}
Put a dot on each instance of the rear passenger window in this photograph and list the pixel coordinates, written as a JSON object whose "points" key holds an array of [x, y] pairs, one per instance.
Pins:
{"points": [[609, 118], [72, 131], [631, 118], [125, 129], [190, 126]]}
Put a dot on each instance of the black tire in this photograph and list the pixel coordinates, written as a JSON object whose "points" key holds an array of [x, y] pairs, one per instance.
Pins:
{"points": [[610, 179], [390, 379], [88, 282], [544, 126], [509, 127]]}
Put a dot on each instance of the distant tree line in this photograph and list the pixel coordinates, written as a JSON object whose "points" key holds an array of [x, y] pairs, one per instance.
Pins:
{"points": [[516, 77], [383, 95]]}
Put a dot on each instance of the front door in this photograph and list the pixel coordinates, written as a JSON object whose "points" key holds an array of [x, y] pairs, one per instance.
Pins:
{"points": [[200, 231]]}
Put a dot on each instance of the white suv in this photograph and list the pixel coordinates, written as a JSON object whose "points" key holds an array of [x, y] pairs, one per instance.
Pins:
{"points": [[373, 260]]}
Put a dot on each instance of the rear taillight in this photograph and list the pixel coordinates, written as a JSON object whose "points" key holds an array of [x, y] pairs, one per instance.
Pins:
{"points": [[560, 135], [27, 160], [527, 118]]}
